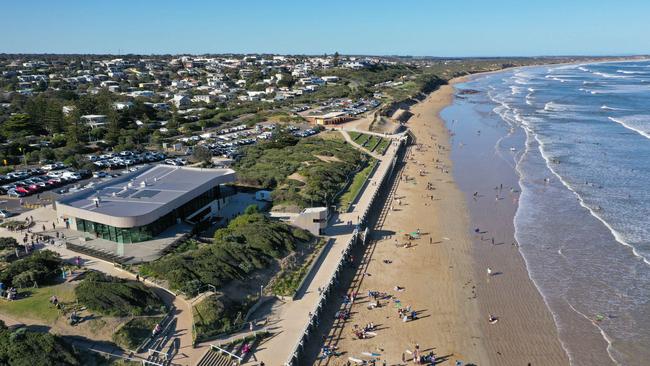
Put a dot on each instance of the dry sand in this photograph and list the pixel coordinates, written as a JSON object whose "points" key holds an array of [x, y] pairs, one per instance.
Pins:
{"points": [[439, 273]]}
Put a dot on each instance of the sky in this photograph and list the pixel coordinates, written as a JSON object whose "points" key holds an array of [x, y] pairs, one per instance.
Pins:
{"points": [[452, 28]]}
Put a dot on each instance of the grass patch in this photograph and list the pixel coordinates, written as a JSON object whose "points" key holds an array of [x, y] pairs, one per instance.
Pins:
{"points": [[363, 139], [373, 141], [34, 303], [357, 183], [383, 146], [355, 135], [135, 331]]}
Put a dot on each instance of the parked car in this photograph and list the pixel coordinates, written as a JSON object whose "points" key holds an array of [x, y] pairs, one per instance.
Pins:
{"points": [[5, 214], [100, 174], [22, 190], [84, 173], [13, 192]]}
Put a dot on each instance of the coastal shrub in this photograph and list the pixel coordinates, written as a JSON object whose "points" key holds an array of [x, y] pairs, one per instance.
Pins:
{"points": [[248, 243], [217, 314], [40, 267], [8, 242], [26, 348], [268, 165], [135, 331], [117, 297]]}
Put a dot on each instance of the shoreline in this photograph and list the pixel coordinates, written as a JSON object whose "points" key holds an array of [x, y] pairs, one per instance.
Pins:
{"points": [[441, 274], [527, 331]]}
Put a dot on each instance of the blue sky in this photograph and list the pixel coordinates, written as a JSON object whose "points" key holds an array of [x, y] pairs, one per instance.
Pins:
{"points": [[378, 27]]}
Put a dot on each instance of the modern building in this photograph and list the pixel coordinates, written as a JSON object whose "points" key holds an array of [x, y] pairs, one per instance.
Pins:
{"points": [[139, 206], [331, 118], [312, 219]]}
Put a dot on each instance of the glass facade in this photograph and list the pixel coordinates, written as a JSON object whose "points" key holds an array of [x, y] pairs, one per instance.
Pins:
{"points": [[149, 231]]}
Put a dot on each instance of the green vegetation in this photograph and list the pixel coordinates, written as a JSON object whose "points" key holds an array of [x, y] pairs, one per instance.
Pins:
{"points": [[322, 165], [355, 187], [354, 135], [382, 146], [362, 140], [372, 142], [361, 82], [26, 348], [135, 331], [34, 303], [117, 297], [8, 242], [286, 282], [217, 315], [250, 242], [14, 225], [39, 268]]}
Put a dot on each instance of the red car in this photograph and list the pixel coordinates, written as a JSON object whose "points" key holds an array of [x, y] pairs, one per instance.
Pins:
{"points": [[34, 188], [23, 190]]}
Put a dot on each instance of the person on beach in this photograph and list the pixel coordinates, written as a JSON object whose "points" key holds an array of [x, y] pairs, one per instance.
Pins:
{"points": [[489, 271]]}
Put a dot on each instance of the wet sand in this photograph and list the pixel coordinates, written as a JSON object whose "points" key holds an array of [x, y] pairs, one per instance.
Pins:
{"points": [[525, 332], [443, 273]]}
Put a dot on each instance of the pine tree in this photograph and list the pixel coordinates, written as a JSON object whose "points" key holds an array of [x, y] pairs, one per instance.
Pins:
{"points": [[53, 118]]}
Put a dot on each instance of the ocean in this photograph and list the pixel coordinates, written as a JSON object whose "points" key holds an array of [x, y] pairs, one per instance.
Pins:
{"points": [[578, 138]]}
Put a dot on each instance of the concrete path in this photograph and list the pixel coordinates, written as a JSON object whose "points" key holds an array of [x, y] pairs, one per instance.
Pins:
{"points": [[294, 315], [183, 311], [291, 316]]}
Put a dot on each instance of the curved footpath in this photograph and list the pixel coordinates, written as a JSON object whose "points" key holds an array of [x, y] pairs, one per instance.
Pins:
{"points": [[181, 337]]}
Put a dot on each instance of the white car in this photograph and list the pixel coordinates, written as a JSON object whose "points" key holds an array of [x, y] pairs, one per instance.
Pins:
{"points": [[4, 214], [100, 174]]}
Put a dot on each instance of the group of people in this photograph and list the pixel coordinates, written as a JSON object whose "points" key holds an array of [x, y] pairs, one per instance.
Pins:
{"points": [[363, 333], [407, 314], [10, 294]]}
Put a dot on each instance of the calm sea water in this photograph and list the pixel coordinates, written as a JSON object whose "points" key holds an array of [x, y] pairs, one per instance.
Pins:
{"points": [[583, 221]]}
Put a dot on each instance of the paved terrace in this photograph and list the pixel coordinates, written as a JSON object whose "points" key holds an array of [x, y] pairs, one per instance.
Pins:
{"points": [[181, 334], [294, 315]]}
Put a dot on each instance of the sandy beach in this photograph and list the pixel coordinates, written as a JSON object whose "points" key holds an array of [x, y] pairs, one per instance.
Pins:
{"points": [[441, 275]]}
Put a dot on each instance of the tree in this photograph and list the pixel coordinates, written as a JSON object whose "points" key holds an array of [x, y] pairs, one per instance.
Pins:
{"points": [[53, 118], [336, 59], [201, 153], [19, 125], [73, 129], [113, 133], [251, 209]]}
